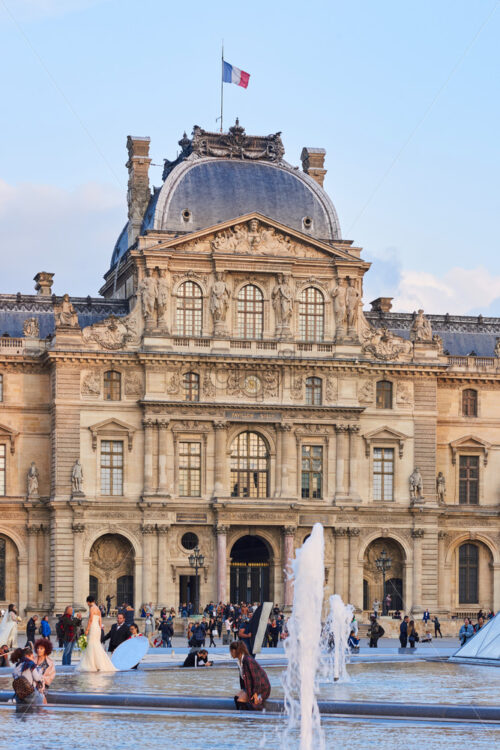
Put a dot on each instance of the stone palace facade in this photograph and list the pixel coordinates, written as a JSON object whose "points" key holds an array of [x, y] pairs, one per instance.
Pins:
{"points": [[227, 390]]}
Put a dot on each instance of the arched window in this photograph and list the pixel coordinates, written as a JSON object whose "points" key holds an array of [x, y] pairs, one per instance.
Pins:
{"points": [[249, 466], [112, 386], [314, 387], [384, 394], [311, 315], [191, 386], [469, 402], [250, 312], [468, 570], [189, 314]]}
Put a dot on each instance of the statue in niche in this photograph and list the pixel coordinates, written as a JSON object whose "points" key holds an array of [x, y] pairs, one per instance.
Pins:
{"points": [[421, 329], [31, 328], [339, 296], [65, 315], [497, 347], [162, 292], [441, 488], [33, 476], [219, 298], [147, 292], [283, 301], [77, 478], [416, 486], [352, 302]]}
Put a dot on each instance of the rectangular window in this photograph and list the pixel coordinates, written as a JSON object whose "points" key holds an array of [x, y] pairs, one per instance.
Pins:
{"points": [[2, 469], [111, 467], [469, 480], [383, 474], [312, 471], [189, 469]]}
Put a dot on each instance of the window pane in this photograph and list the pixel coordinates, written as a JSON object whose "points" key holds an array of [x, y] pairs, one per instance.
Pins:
{"points": [[314, 396], [249, 466], [312, 471], [468, 491], [189, 313], [189, 469], [112, 385], [111, 467], [250, 307], [383, 474], [384, 394], [468, 569], [191, 386], [469, 402], [311, 315]]}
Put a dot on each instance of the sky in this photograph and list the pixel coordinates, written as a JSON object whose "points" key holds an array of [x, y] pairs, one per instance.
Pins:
{"points": [[403, 97]]}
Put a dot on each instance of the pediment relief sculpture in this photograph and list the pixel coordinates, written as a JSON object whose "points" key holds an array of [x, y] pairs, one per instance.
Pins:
{"points": [[91, 384], [381, 343], [259, 239], [114, 332]]}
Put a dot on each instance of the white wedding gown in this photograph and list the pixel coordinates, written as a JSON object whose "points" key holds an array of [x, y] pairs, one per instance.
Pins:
{"points": [[8, 630], [94, 657]]}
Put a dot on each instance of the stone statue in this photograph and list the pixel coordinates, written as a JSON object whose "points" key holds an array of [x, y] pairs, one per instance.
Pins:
{"points": [[441, 488], [219, 299], [65, 315], [497, 347], [148, 291], [416, 486], [33, 476], [162, 293], [421, 329], [77, 478], [283, 301], [339, 295], [352, 299], [31, 328]]}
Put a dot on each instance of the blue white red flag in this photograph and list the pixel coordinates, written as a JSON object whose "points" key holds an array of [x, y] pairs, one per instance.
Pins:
{"points": [[230, 74]]}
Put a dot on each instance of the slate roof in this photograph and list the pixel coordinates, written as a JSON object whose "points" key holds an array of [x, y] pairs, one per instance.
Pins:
{"points": [[461, 334], [15, 308]]}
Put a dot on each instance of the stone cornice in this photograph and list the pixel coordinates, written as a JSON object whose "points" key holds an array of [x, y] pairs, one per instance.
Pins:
{"points": [[211, 410]]}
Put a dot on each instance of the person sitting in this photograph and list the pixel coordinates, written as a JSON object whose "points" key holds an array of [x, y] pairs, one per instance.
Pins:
{"points": [[197, 659], [396, 615], [353, 642], [465, 632], [254, 682], [427, 637]]}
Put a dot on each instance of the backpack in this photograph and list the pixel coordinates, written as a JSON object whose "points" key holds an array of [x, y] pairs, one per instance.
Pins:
{"points": [[59, 628], [22, 687]]}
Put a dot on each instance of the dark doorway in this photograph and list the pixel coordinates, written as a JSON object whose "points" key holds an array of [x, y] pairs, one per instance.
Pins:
{"points": [[125, 590], [250, 570], [187, 589], [394, 587], [366, 603], [94, 587]]}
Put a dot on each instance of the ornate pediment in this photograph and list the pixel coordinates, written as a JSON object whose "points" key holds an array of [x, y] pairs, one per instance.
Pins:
{"points": [[114, 332], [8, 434], [114, 429], [472, 444], [236, 144], [385, 435]]}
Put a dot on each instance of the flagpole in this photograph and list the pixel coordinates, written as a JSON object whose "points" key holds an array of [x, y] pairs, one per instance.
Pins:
{"points": [[222, 88]]}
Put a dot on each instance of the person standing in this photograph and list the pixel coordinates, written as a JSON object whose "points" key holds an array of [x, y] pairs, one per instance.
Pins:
{"points": [[119, 633], [212, 631], [44, 662], [45, 629], [166, 630], [413, 636], [108, 604], [388, 603], [375, 632], [31, 630], [70, 627], [437, 627], [94, 657], [403, 632], [149, 626]]}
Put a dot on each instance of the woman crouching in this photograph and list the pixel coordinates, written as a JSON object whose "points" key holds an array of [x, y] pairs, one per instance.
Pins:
{"points": [[254, 682], [28, 678]]}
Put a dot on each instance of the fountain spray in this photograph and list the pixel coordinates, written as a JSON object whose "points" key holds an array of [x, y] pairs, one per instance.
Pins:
{"points": [[303, 645], [337, 629]]}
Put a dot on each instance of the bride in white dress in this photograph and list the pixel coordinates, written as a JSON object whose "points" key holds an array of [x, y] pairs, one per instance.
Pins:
{"points": [[94, 657], [8, 628]]}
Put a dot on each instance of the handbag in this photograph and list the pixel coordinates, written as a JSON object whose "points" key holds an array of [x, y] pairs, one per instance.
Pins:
{"points": [[22, 687]]}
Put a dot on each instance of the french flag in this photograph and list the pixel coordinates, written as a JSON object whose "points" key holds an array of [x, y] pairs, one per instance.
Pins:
{"points": [[230, 74]]}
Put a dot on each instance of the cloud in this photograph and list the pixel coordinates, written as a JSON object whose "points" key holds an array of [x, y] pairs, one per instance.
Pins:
{"points": [[32, 10], [68, 232]]}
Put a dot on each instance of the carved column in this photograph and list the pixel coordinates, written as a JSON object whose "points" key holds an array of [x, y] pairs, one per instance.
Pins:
{"points": [[162, 456], [148, 455], [221, 534], [340, 539], [219, 458], [353, 461], [355, 576], [162, 564], [147, 543], [443, 583], [288, 544], [79, 585], [341, 451], [287, 457], [417, 535], [32, 531]]}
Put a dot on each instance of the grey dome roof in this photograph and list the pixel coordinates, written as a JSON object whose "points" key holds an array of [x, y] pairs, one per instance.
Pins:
{"points": [[216, 190]]}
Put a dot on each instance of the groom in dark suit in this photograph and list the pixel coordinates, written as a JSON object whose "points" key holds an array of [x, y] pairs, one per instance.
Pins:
{"points": [[119, 632]]}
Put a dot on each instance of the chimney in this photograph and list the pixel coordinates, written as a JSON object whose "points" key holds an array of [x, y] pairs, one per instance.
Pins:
{"points": [[138, 184], [382, 304], [44, 281], [313, 161]]}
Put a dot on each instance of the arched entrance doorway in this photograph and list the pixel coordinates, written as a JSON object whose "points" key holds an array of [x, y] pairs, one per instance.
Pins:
{"points": [[250, 570], [112, 564], [9, 572], [394, 577]]}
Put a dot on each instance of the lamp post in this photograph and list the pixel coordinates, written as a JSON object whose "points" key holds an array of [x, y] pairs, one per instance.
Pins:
{"points": [[196, 560], [383, 563]]}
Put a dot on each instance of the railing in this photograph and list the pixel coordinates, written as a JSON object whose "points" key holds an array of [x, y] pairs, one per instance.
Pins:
{"points": [[241, 344], [181, 342], [6, 342], [313, 347], [474, 363], [267, 345]]}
